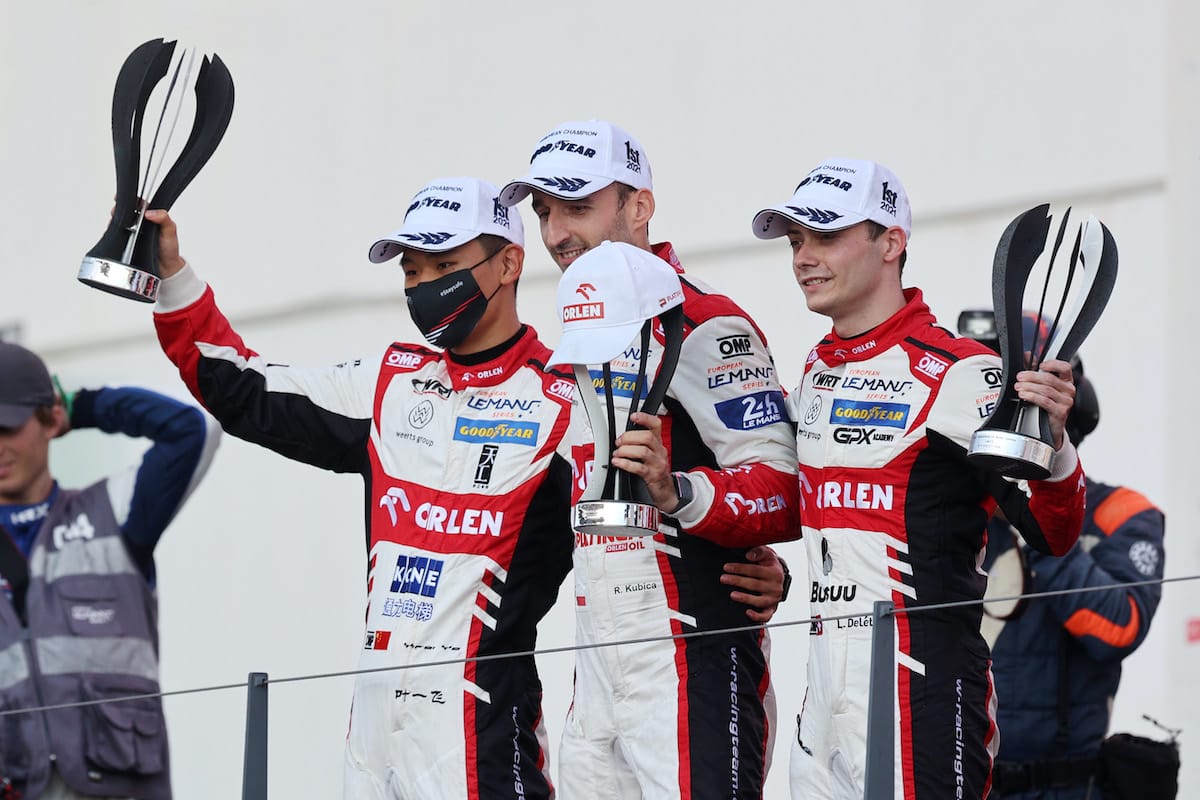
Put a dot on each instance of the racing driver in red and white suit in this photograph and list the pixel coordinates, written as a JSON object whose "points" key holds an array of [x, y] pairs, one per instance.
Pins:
{"points": [[892, 508], [685, 717], [467, 483]]}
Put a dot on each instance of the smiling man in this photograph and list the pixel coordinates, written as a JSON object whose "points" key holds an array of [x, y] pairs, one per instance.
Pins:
{"points": [[690, 717], [893, 509]]}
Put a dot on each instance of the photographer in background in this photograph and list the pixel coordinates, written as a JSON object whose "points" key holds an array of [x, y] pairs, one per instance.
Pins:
{"points": [[1057, 660]]}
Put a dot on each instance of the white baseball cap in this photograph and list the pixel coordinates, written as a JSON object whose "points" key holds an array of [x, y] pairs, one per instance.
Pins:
{"points": [[605, 296], [839, 193], [447, 213], [577, 159]]}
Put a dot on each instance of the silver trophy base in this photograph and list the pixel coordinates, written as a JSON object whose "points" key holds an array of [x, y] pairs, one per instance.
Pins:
{"points": [[119, 279], [615, 518], [1013, 455]]}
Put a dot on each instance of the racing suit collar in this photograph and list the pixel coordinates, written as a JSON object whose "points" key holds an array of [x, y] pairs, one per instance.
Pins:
{"points": [[666, 251], [492, 366], [834, 349]]}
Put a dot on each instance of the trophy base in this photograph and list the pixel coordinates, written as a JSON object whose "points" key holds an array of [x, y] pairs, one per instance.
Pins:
{"points": [[615, 518], [119, 279], [1013, 455]]}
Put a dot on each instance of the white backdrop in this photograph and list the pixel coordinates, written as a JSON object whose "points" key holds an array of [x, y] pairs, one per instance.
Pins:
{"points": [[344, 110]]}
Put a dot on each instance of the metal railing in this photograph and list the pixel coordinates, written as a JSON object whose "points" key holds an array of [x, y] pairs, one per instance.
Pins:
{"points": [[880, 761]]}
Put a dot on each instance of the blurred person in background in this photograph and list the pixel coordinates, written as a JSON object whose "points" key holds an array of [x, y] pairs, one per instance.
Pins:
{"points": [[78, 608], [1057, 660]]}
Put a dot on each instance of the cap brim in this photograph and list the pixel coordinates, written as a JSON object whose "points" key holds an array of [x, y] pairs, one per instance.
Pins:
{"points": [[594, 345], [12, 416], [394, 244], [773, 222], [571, 187]]}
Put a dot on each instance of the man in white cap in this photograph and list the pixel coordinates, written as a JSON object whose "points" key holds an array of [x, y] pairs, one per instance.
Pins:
{"points": [[683, 717], [893, 508], [468, 484]]}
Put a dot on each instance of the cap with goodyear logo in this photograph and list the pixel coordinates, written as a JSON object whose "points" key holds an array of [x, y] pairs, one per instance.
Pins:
{"points": [[448, 213], [577, 159], [837, 194]]}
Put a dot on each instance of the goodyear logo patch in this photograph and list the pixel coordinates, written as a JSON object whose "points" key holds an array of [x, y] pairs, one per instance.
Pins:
{"points": [[622, 383], [489, 430], [859, 412]]}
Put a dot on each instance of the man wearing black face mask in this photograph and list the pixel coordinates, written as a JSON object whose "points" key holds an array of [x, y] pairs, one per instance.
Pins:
{"points": [[467, 487]]}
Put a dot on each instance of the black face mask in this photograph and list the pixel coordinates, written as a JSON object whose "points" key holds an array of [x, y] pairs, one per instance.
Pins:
{"points": [[447, 309]]}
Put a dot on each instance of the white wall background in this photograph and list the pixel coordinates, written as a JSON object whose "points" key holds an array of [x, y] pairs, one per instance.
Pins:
{"points": [[344, 110]]}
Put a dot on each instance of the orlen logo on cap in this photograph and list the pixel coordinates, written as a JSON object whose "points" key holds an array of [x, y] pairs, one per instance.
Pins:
{"points": [[578, 311]]}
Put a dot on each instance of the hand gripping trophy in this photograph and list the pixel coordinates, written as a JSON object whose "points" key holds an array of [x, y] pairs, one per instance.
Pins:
{"points": [[125, 260], [1015, 440], [618, 300]]}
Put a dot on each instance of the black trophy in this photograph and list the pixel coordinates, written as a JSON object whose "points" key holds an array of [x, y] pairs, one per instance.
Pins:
{"points": [[125, 260], [1016, 440], [620, 504]]}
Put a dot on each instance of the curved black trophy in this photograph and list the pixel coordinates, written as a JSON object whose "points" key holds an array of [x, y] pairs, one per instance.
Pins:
{"points": [[1016, 440], [620, 504], [125, 260]]}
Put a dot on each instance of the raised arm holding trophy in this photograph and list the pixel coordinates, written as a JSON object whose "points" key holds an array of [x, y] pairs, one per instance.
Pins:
{"points": [[125, 260]]}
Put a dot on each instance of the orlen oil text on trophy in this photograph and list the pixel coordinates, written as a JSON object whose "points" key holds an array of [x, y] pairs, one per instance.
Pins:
{"points": [[125, 260], [613, 300], [1015, 440]]}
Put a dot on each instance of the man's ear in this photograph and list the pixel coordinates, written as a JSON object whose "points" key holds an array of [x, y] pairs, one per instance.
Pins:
{"points": [[512, 262], [60, 423], [640, 206], [894, 242]]}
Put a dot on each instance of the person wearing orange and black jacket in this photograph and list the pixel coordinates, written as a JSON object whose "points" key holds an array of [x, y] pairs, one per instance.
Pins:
{"points": [[1057, 660]]}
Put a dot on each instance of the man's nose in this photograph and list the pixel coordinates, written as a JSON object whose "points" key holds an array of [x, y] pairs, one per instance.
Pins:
{"points": [[556, 228]]}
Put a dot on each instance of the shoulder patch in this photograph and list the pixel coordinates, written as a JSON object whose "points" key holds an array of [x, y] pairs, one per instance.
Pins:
{"points": [[1118, 508]]}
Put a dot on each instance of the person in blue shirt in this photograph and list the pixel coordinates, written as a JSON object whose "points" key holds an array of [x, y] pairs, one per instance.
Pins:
{"points": [[78, 615]]}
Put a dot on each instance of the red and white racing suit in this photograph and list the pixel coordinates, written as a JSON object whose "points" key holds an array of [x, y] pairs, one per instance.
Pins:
{"points": [[468, 526], [694, 717], [894, 511]]}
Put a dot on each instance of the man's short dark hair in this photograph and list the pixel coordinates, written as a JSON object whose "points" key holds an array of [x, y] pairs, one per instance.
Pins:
{"points": [[875, 230], [624, 191], [493, 242]]}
